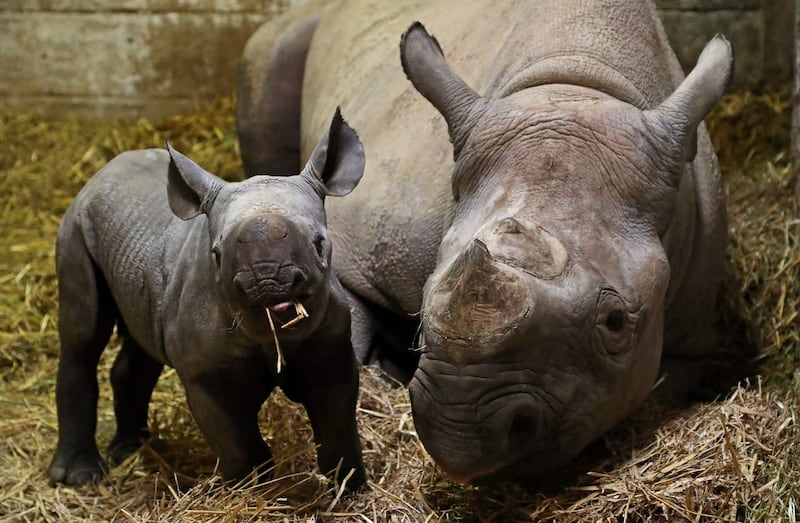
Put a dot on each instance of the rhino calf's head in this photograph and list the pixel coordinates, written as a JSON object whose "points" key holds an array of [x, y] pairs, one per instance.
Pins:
{"points": [[542, 322], [269, 241]]}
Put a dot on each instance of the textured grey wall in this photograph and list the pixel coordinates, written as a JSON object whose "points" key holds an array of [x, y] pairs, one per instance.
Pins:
{"points": [[122, 57], [154, 58], [762, 33]]}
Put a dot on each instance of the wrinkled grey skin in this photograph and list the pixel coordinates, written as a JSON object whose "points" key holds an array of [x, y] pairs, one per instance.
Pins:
{"points": [[186, 265], [565, 244]]}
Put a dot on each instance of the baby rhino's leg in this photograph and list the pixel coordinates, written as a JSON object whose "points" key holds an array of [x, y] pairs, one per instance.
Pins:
{"points": [[133, 377], [225, 402], [85, 321]]}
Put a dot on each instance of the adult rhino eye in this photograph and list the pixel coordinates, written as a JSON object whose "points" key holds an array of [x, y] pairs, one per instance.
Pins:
{"points": [[615, 321], [217, 256], [614, 325]]}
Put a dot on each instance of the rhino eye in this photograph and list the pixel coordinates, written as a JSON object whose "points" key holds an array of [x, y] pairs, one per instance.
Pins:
{"points": [[319, 245], [615, 321], [614, 324], [217, 256]]}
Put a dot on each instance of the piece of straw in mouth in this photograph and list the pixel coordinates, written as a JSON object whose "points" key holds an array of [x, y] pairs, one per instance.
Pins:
{"points": [[302, 314], [281, 361]]}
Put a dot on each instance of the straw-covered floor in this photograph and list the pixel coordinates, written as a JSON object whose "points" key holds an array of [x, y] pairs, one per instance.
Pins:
{"points": [[732, 459]]}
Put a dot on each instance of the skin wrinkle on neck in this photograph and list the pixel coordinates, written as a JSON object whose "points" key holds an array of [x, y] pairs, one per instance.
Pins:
{"points": [[551, 70]]}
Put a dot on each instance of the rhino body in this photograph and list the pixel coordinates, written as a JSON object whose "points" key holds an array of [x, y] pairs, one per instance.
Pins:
{"points": [[188, 267], [565, 242]]}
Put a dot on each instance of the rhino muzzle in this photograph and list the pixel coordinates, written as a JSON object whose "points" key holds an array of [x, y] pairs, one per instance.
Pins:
{"points": [[495, 422], [272, 260]]}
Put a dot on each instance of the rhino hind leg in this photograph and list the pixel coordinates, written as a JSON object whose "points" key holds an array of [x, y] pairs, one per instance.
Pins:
{"points": [[362, 325], [269, 93], [87, 314], [133, 377]]}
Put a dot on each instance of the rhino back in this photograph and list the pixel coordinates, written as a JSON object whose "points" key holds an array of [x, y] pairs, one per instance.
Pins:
{"points": [[134, 239], [388, 231]]}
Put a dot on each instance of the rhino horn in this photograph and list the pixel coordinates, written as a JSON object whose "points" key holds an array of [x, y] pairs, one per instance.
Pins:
{"points": [[424, 64], [478, 256], [478, 299], [680, 114]]}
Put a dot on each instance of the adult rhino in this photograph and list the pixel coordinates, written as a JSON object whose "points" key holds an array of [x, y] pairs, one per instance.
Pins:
{"points": [[565, 243]]}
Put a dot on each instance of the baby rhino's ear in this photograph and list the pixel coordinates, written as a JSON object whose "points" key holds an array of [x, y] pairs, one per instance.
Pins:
{"points": [[338, 159], [190, 189]]}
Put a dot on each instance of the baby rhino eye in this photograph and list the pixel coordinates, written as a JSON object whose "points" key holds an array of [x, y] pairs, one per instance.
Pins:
{"points": [[319, 244], [216, 254]]}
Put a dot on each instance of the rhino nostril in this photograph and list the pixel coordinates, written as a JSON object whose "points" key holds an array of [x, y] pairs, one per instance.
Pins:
{"points": [[298, 279], [240, 282], [523, 430]]}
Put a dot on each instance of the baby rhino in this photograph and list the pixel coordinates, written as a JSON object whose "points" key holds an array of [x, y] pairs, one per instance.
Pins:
{"points": [[202, 275]]}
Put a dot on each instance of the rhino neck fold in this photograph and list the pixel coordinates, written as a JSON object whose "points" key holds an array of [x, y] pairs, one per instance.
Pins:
{"points": [[577, 70]]}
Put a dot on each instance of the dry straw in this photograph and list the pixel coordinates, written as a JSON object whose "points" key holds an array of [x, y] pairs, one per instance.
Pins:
{"points": [[732, 459], [301, 315]]}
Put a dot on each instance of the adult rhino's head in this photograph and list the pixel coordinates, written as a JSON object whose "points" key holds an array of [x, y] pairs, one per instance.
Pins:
{"points": [[542, 322], [269, 242]]}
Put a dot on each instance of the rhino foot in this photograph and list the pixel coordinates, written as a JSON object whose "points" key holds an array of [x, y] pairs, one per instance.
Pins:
{"points": [[123, 445], [357, 482], [76, 467], [260, 470]]}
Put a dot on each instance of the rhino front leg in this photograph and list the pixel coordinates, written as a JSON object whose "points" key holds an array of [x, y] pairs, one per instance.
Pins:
{"points": [[133, 377], [225, 404], [328, 389], [86, 319]]}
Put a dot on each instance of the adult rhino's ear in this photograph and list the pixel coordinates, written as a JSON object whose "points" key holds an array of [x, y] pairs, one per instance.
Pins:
{"points": [[338, 159], [680, 114], [190, 189], [424, 64]]}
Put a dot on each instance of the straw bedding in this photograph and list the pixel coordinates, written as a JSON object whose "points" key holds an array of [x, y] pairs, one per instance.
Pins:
{"points": [[732, 457]]}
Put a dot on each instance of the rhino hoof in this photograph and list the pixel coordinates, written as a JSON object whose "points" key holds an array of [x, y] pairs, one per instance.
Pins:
{"points": [[77, 469], [357, 482]]}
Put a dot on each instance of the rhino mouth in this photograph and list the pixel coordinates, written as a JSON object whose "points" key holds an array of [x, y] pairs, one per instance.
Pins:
{"points": [[276, 291], [287, 314], [491, 431]]}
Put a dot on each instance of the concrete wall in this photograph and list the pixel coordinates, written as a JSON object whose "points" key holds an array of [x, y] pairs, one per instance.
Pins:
{"points": [[762, 33], [158, 57], [122, 57]]}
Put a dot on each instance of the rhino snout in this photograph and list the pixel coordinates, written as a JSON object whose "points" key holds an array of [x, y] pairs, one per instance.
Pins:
{"points": [[469, 442], [274, 261], [262, 287]]}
